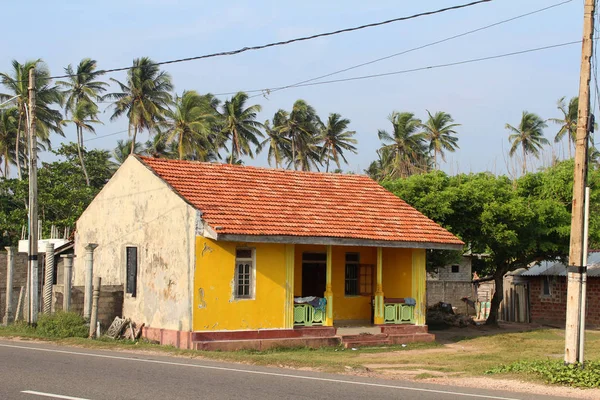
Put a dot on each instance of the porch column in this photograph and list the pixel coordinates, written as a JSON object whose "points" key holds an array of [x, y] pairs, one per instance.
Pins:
{"points": [[329, 290], [379, 306], [289, 286], [10, 272], [418, 284], [89, 267]]}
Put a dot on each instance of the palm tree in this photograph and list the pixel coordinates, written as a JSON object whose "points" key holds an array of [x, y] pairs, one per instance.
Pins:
{"points": [[144, 98], [189, 124], [405, 151], [439, 132], [123, 150], [568, 123], [529, 135], [240, 126], [336, 139], [8, 137], [82, 90], [278, 144], [47, 119]]}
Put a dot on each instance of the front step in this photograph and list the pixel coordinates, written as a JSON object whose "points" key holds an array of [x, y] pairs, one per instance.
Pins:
{"points": [[350, 341]]}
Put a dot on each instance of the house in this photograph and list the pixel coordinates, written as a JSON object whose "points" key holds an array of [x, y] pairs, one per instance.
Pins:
{"points": [[543, 298], [209, 253], [451, 283]]}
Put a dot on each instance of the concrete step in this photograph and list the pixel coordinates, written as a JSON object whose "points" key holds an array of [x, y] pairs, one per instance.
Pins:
{"points": [[366, 343], [403, 329], [265, 344], [412, 338], [363, 337]]}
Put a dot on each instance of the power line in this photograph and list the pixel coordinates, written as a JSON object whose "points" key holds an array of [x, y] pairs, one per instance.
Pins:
{"points": [[103, 136], [286, 42], [469, 61], [407, 51]]}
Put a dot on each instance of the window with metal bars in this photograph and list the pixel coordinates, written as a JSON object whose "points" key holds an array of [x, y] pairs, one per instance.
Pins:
{"points": [[352, 274], [244, 270]]}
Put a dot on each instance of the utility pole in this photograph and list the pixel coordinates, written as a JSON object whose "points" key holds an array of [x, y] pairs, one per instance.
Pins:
{"points": [[33, 206], [576, 252]]}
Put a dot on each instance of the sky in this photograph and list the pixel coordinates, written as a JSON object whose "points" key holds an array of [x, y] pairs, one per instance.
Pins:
{"points": [[482, 96]]}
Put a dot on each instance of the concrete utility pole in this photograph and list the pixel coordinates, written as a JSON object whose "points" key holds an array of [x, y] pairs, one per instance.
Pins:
{"points": [[68, 267], [10, 271], [576, 260], [94, 316], [89, 273], [33, 206]]}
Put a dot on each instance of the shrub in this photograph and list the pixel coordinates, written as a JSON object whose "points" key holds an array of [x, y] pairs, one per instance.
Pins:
{"points": [[556, 372], [62, 325]]}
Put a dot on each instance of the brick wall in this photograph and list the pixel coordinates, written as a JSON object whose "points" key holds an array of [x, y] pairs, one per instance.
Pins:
{"points": [[553, 309], [445, 273], [110, 303], [449, 292], [19, 279]]}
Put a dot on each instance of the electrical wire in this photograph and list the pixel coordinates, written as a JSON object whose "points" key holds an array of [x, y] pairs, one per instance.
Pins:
{"points": [[286, 42], [271, 91], [103, 136]]}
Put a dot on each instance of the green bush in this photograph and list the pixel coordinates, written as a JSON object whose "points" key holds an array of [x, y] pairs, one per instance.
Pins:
{"points": [[62, 325], [556, 372]]}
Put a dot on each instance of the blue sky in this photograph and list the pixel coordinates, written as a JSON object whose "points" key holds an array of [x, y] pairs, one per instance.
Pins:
{"points": [[482, 97]]}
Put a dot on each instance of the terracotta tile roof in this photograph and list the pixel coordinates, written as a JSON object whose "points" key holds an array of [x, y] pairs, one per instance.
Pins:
{"points": [[240, 200]]}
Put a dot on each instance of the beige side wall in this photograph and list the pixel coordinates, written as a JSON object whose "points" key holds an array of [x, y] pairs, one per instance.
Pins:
{"points": [[136, 208]]}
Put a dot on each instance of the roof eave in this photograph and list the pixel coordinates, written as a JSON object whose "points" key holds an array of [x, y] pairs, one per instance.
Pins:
{"points": [[323, 240]]}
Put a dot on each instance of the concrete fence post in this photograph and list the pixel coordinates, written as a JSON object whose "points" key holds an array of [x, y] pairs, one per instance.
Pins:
{"points": [[67, 277], [10, 271], [89, 273], [48, 278], [94, 316]]}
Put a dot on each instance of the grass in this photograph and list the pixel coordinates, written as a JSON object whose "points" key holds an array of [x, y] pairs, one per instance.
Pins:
{"points": [[466, 356]]}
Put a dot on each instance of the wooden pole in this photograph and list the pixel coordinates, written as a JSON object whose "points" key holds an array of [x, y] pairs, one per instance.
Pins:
{"points": [[576, 267], [33, 203]]}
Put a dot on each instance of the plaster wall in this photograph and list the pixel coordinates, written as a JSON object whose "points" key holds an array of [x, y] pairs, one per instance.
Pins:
{"points": [[136, 208]]}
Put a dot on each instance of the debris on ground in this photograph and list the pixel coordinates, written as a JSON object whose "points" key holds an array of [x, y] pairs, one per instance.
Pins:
{"points": [[442, 316], [124, 328]]}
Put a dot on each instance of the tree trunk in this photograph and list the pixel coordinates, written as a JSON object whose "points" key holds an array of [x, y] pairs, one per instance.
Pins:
{"points": [[497, 298], [294, 152], [79, 148], [524, 161], [181, 145], [435, 154], [232, 150], [135, 129], [18, 140]]}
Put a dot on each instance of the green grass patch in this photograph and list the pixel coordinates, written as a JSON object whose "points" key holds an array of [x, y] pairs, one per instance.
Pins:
{"points": [[556, 372]]}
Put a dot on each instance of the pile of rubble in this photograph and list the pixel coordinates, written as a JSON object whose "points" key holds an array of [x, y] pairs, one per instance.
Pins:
{"points": [[124, 328], [441, 316]]}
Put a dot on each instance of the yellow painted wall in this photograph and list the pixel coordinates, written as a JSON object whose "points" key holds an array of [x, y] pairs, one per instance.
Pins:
{"points": [[397, 272], [215, 307]]}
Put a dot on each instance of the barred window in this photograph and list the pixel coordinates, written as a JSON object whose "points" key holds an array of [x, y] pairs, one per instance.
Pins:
{"points": [[352, 274], [244, 270]]}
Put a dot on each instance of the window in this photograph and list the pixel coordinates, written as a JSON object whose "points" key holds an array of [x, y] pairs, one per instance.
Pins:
{"points": [[352, 274], [359, 277], [244, 273], [546, 286], [132, 266], [455, 269]]}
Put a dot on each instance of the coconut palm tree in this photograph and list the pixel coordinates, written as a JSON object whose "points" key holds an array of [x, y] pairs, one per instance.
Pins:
{"points": [[47, 119], [336, 139], [8, 137], [529, 135], [568, 122], [81, 91], [240, 126], [405, 149], [123, 150], [439, 132], [189, 124], [144, 97], [83, 115], [276, 142]]}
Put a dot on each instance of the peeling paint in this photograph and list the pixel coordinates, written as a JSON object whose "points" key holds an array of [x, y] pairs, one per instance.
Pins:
{"points": [[201, 302], [206, 248]]}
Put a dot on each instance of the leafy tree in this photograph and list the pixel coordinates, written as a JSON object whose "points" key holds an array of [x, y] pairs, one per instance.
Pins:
{"points": [[144, 97], [82, 90], [276, 142], [404, 149], [568, 122], [336, 139], [8, 137], [123, 150], [439, 132], [240, 125], [529, 135], [48, 120]]}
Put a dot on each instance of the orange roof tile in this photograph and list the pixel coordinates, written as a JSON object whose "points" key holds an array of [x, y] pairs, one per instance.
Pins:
{"points": [[240, 200]]}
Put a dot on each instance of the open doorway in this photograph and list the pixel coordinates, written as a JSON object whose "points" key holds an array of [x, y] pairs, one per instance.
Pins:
{"points": [[314, 274]]}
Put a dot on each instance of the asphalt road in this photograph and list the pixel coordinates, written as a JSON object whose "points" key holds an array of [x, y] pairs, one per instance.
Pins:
{"points": [[41, 371]]}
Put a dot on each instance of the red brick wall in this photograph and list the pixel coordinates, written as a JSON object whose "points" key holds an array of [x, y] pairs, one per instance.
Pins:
{"points": [[553, 309]]}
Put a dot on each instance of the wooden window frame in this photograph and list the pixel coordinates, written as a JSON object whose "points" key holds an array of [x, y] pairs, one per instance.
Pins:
{"points": [[251, 274]]}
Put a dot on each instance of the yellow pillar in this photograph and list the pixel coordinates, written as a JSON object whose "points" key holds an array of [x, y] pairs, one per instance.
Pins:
{"points": [[289, 286], [379, 306], [329, 290], [418, 284]]}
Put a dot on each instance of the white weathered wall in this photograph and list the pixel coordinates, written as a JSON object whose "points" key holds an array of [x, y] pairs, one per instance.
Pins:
{"points": [[136, 208], [445, 273]]}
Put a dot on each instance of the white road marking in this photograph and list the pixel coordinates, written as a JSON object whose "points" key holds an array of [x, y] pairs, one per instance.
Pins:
{"points": [[244, 371], [54, 396]]}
